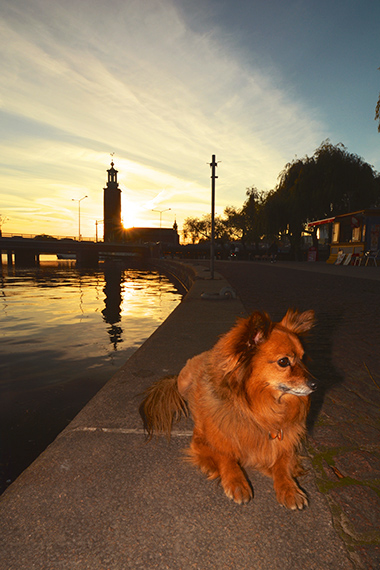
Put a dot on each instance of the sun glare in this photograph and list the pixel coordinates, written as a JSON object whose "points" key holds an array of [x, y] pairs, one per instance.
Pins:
{"points": [[129, 215]]}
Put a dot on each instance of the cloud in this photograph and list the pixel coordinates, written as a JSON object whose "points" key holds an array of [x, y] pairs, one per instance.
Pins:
{"points": [[135, 78]]}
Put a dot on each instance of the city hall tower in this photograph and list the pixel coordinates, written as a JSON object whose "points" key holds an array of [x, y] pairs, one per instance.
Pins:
{"points": [[112, 208]]}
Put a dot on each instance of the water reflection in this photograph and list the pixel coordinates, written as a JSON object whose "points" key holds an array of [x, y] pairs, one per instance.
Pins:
{"points": [[112, 300], [64, 333]]}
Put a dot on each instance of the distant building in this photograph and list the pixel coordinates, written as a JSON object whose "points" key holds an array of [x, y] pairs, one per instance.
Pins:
{"points": [[352, 234], [152, 235], [113, 230]]}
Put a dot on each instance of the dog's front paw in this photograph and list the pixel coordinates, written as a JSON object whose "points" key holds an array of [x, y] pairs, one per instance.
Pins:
{"points": [[238, 490], [292, 497]]}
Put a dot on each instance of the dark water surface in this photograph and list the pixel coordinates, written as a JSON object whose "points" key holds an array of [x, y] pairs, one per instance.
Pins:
{"points": [[63, 333]]}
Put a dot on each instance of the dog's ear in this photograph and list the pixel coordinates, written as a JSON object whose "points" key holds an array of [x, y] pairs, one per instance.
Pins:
{"points": [[298, 322], [234, 351], [242, 341], [258, 327]]}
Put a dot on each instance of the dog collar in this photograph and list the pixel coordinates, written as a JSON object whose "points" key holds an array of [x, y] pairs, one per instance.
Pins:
{"points": [[276, 435]]}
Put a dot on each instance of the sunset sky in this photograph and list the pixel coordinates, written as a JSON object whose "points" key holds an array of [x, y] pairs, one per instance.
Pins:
{"points": [[164, 84]]}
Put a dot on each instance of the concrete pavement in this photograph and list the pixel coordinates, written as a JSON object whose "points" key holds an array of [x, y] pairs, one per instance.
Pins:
{"points": [[100, 498]]}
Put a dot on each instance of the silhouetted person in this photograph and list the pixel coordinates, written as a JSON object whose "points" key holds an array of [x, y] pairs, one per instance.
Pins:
{"points": [[273, 251]]}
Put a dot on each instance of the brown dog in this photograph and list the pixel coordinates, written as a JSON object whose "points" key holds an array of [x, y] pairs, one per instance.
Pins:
{"points": [[249, 398]]}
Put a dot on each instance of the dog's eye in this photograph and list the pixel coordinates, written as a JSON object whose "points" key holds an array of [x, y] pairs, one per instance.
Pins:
{"points": [[283, 362]]}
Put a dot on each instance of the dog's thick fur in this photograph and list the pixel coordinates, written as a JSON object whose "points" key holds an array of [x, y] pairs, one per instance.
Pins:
{"points": [[249, 398]]}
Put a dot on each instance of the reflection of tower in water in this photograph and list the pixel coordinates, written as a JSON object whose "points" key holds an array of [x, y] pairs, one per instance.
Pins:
{"points": [[113, 277]]}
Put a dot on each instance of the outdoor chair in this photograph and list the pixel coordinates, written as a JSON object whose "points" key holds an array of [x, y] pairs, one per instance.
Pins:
{"points": [[340, 258], [347, 261], [372, 255], [357, 258]]}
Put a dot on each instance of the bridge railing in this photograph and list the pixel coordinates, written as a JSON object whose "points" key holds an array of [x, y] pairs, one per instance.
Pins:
{"points": [[45, 236]]}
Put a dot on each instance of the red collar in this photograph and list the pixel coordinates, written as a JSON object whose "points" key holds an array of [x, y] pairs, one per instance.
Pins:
{"points": [[279, 434]]}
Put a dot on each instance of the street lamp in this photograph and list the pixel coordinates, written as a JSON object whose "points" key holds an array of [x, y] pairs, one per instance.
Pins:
{"points": [[3, 219], [161, 212], [96, 227], [79, 201]]}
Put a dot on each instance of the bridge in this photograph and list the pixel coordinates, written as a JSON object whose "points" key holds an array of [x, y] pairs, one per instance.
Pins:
{"points": [[26, 250]]}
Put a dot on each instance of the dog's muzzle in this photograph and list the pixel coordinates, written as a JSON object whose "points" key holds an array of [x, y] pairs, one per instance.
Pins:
{"points": [[309, 387]]}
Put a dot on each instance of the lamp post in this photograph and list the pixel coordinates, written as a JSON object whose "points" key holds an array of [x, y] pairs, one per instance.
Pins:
{"points": [[79, 201], [213, 165], [161, 212], [3, 219], [96, 228]]}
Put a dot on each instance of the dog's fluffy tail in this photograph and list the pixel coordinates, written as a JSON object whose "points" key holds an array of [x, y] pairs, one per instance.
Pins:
{"points": [[162, 406]]}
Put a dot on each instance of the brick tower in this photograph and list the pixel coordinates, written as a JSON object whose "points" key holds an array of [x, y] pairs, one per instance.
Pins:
{"points": [[112, 208]]}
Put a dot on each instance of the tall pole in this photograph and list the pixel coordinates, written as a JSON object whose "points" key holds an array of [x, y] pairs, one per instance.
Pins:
{"points": [[161, 212], [78, 220], [213, 165], [79, 201], [96, 228]]}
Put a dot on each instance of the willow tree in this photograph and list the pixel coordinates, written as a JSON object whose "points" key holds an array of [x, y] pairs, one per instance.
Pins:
{"points": [[377, 112], [331, 182]]}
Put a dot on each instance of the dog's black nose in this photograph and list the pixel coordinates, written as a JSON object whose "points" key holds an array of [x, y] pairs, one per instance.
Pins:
{"points": [[312, 384]]}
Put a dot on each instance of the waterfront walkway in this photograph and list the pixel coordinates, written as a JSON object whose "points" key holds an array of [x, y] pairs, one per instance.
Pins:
{"points": [[100, 498], [345, 417]]}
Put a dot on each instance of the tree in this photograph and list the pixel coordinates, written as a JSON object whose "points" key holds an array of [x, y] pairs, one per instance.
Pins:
{"points": [[234, 223], [199, 229], [237, 224], [331, 182], [194, 229], [346, 182], [252, 219], [377, 112]]}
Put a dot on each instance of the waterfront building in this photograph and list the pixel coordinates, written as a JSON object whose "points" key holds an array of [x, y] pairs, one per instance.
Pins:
{"points": [[113, 227]]}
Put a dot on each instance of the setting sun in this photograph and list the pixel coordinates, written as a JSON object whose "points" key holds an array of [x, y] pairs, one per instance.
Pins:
{"points": [[129, 214], [133, 214]]}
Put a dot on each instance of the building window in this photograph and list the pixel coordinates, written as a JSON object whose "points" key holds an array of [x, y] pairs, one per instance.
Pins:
{"points": [[356, 234], [335, 232], [345, 232]]}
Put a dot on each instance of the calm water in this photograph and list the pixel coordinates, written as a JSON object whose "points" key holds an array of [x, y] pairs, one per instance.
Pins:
{"points": [[64, 332]]}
